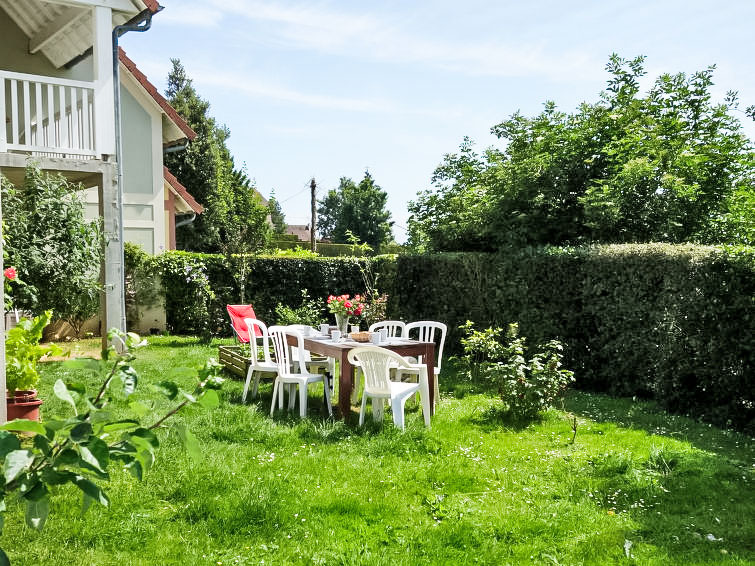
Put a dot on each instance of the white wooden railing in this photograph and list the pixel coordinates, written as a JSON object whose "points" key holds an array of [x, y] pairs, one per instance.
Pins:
{"points": [[47, 115]]}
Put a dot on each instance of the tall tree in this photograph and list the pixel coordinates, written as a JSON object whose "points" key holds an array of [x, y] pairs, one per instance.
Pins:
{"points": [[276, 215], [206, 168], [669, 166], [358, 209]]}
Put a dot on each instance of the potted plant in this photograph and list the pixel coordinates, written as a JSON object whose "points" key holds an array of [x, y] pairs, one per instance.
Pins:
{"points": [[22, 353]]}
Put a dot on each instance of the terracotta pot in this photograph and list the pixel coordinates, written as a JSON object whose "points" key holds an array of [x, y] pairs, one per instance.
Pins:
{"points": [[23, 405]]}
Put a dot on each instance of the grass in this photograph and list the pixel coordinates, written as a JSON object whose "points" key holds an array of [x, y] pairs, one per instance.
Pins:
{"points": [[636, 486]]}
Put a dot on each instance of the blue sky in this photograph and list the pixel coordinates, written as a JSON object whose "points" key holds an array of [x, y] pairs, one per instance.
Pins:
{"points": [[328, 89]]}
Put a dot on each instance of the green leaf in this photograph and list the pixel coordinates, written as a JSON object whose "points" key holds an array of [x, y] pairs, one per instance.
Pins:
{"points": [[147, 435], [139, 408], [42, 444], [81, 432], [188, 396], [210, 399], [24, 425], [120, 425], [62, 393], [190, 442], [37, 512], [168, 388], [57, 477], [8, 443], [16, 463], [95, 454], [92, 490], [66, 457]]}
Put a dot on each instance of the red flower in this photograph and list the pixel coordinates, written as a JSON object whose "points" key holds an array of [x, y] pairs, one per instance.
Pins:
{"points": [[10, 273], [347, 304]]}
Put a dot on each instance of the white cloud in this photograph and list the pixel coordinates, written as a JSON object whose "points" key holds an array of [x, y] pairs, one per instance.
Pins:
{"points": [[260, 88], [190, 14], [316, 26]]}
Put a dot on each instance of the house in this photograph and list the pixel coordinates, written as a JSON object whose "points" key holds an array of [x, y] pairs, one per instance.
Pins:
{"points": [[152, 196], [59, 62]]}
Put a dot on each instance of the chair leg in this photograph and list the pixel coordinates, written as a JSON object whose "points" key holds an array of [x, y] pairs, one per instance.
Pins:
{"points": [[303, 400], [276, 388], [355, 386], [397, 408], [364, 408], [291, 396], [249, 376], [256, 384], [326, 390], [377, 409]]}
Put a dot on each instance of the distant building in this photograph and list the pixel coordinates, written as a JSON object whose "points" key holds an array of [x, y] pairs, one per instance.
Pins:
{"points": [[301, 231]]}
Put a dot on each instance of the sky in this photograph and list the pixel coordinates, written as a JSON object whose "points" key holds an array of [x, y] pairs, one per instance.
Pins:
{"points": [[328, 89]]}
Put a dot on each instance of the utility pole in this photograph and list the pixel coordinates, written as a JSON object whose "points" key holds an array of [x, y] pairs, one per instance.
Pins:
{"points": [[313, 224]]}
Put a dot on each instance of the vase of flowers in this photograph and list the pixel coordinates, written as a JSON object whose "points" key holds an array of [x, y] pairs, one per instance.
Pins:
{"points": [[344, 306]]}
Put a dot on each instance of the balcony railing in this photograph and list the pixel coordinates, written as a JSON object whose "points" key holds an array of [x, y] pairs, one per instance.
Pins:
{"points": [[47, 116]]}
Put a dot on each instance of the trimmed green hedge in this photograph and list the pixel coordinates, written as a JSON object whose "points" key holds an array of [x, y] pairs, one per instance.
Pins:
{"points": [[676, 323]]}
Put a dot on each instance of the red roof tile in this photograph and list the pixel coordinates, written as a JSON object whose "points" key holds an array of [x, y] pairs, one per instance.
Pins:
{"points": [[181, 190], [155, 94]]}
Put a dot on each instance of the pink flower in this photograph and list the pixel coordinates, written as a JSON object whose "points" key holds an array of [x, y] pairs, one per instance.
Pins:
{"points": [[10, 273], [347, 304]]}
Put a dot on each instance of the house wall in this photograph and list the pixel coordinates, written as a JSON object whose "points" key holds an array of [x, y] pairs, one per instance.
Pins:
{"points": [[143, 194], [15, 56]]}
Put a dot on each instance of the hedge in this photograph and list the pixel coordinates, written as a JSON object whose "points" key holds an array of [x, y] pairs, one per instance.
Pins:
{"points": [[673, 322]]}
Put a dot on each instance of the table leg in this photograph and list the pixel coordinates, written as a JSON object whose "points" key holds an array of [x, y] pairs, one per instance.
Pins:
{"points": [[430, 363], [345, 383]]}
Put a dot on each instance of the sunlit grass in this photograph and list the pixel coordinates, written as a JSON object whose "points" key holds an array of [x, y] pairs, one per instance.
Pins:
{"points": [[636, 486]]}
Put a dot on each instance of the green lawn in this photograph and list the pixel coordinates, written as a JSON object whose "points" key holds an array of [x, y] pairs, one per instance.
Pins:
{"points": [[636, 487]]}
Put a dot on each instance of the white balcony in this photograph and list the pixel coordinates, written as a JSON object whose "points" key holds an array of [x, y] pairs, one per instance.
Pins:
{"points": [[47, 116]]}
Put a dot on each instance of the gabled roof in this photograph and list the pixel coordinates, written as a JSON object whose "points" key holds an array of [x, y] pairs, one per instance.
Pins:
{"points": [[142, 79], [181, 191], [62, 29]]}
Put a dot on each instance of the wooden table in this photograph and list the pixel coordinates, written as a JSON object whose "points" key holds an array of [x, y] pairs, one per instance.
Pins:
{"points": [[340, 352]]}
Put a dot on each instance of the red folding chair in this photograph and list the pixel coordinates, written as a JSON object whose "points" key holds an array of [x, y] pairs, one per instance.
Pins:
{"points": [[238, 313]]}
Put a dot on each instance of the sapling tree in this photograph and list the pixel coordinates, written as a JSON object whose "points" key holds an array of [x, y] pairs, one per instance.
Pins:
{"points": [[82, 448]]}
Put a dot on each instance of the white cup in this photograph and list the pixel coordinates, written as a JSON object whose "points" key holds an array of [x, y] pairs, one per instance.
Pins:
{"points": [[384, 335], [335, 335], [324, 329], [354, 328], [306, 330], [375, 337]]}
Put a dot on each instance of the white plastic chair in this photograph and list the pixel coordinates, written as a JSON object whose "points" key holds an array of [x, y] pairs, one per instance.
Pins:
{"points": [[326, 364], [376, 363], [287, 376], [395, 327], [260, 360], [426, 331]]}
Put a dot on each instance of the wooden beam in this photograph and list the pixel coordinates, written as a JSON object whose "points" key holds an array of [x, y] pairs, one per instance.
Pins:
{"points": [[56, 28], [119, 5]]}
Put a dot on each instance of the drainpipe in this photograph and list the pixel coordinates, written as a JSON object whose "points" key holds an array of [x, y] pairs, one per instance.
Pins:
{"points": [[174, 148], [141, 22], [185, 221]]}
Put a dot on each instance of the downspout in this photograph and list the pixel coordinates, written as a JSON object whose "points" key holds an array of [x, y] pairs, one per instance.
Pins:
{"points": [[185, 221], [141, 22]]}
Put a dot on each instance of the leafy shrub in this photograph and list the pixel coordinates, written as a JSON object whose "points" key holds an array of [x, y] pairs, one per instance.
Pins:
{"points": [[310, 312], [56, 250], [525, 387]]}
